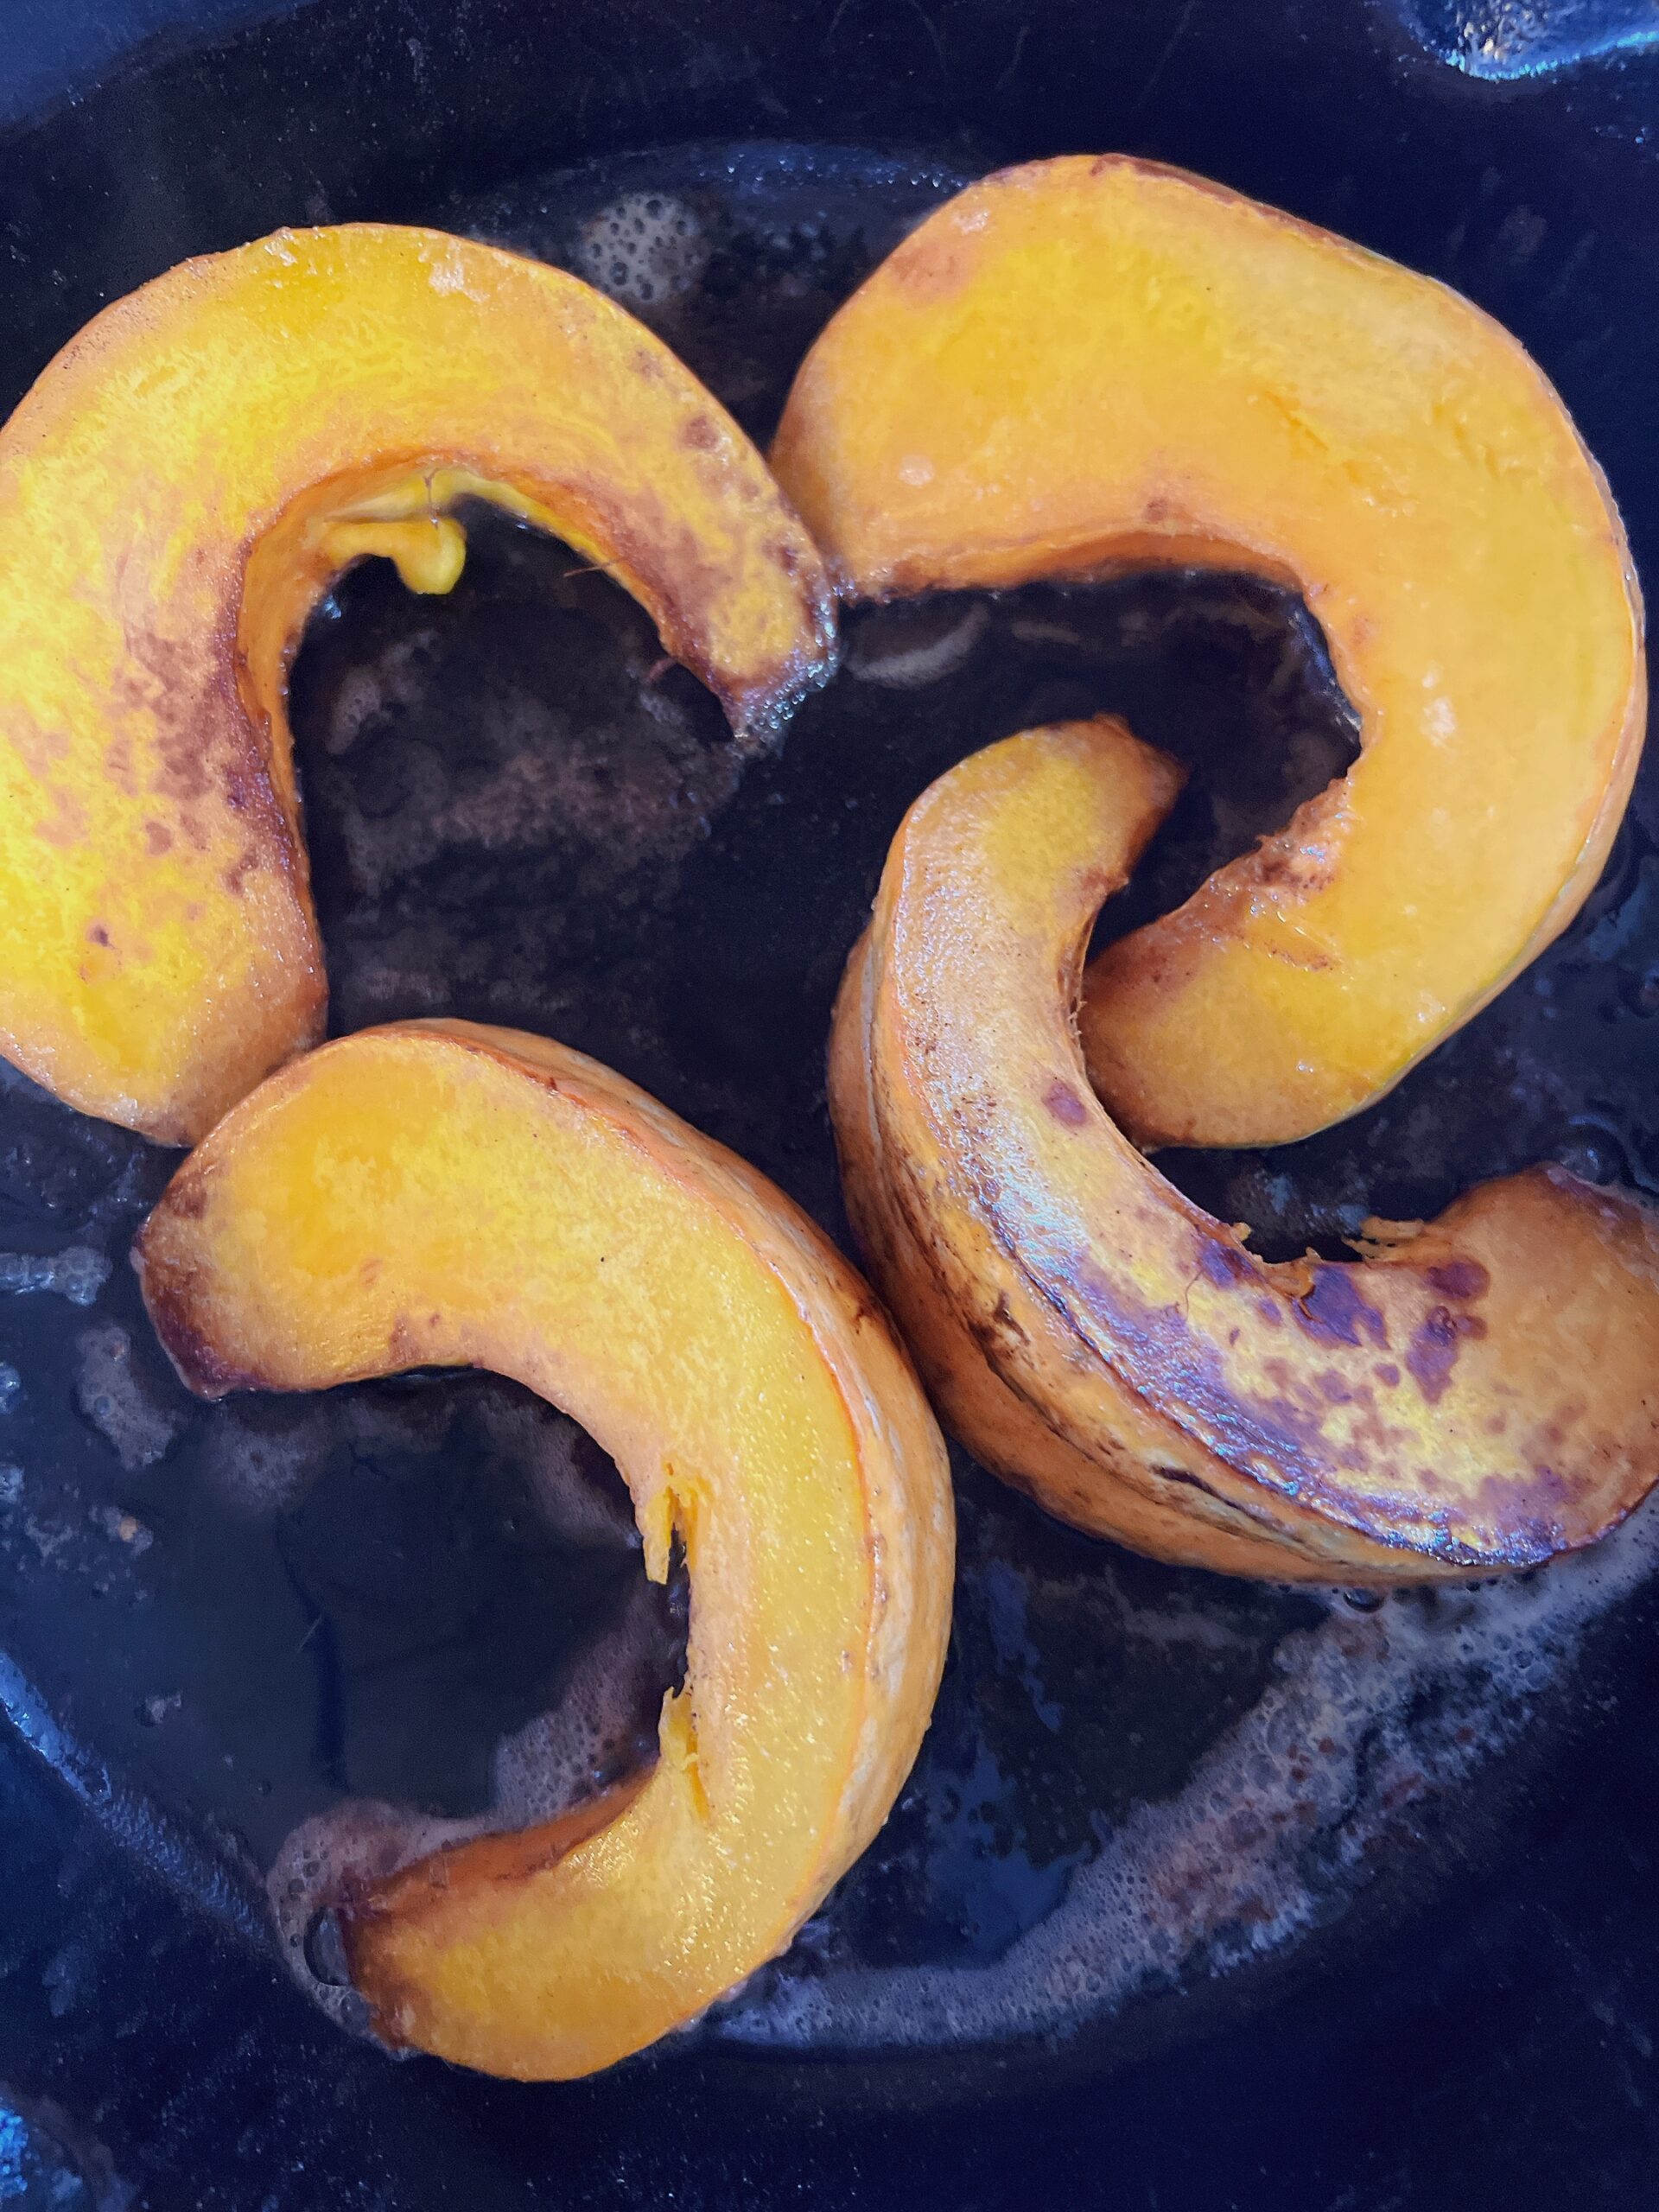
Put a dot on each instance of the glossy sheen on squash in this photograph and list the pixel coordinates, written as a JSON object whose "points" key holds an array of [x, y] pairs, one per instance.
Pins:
{"points": [[1087, 364], [1477, 1398], [175, 494], [441, 1193]]}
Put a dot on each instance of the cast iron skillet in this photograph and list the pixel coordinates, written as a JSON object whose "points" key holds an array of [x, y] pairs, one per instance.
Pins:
{"points": [[1202, 1894]]}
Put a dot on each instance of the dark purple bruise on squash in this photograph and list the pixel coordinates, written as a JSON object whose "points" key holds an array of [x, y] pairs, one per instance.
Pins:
{"points": [[1289, 1433], [1334, 1311], [1064, 1103], [1221, 1259], [1464, 1279], [1435, 1346]]}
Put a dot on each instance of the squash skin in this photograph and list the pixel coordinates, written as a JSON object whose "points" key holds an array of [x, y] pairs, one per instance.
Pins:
{"points": [[179, 488], [441, 1192], [1420, 1414], [1083, 366]]}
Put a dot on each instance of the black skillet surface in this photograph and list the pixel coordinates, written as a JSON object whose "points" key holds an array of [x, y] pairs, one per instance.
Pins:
{"points": [[1201, 1893]]}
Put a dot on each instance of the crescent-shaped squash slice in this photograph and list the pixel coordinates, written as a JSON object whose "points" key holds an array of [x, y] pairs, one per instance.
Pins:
{"points": [[442, 1193], [177, 491], [1477, 1398], [1087, 364]]}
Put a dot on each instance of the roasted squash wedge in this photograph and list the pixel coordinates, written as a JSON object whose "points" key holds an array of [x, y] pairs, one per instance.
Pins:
{"points": [[1082, 365], [441, 1193], [1477, 1398], [176, 492]]}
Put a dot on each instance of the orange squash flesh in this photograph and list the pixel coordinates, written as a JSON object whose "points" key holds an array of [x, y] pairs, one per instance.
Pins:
{"points": [[177, 491], [442, 1193], [1082, 366], [1478, 1398]]}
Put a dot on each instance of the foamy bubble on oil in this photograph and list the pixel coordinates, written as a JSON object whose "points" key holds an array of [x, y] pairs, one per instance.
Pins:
{"points": [[1368, 1718], [645, 249]]}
